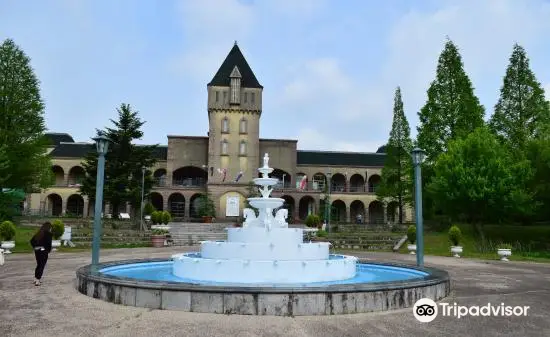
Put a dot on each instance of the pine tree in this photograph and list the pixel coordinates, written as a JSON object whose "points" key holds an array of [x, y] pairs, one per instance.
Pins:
{"points": [[26, 163], [397, 180], [522, 112], [452, 110], [123, 163]]}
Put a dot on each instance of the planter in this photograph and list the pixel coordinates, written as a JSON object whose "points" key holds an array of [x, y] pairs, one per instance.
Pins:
{"points": [[207, 219], [504, 253], [55, 244], [7, 245], [158, 240], [320, 239], [412, 249], [456, 250]]}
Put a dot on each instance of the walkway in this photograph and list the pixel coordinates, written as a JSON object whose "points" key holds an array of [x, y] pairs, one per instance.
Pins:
{"points": [[57, 309]]}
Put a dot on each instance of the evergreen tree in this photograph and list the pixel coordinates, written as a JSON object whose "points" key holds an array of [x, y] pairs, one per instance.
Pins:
{"points": [[452, 110], [522, 112], [123, 163], [26, 165], [397, 172]]}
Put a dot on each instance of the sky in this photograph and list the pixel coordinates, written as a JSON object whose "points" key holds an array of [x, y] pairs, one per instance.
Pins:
{"points": [[329, 67]]}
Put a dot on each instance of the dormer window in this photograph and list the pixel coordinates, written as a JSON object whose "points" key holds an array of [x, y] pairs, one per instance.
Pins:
{"points": [[242, 148], [235, 86], [225, 125], [225, 147], [243, 126]]}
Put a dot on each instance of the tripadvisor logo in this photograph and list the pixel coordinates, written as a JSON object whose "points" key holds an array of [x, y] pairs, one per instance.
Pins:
{"points": [[426, 310]]}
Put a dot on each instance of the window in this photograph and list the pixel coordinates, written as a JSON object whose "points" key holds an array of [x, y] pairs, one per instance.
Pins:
{"points": [[217, 96], [235, 90], [225, 96], [243, 126], [252, 97], [242, 148], [245, 97], [225, 147], [225, 125]]}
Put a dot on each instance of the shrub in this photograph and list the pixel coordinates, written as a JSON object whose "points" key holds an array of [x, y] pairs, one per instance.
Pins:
{"points": [[411, 234], [148, 209], [58, 228], [455, 235], [156, 217], [165, 217], [313, 220], [321, 233], [7, 230]]}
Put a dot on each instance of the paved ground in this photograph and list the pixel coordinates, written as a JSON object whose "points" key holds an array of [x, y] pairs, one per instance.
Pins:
{"points": [[57, 309]]}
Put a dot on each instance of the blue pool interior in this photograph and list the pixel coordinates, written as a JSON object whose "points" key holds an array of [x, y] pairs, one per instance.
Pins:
{"points": [[162, 271]]}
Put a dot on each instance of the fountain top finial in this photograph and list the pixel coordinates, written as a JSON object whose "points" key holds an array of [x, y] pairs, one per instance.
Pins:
{"points": [[266, 160]]}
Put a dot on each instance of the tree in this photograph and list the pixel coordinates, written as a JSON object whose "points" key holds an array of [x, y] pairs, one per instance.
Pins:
{"points": [[26, 164], [123, 163], [478, 181], [522, 112], [397, 172], [538, 153], [452, 110]]}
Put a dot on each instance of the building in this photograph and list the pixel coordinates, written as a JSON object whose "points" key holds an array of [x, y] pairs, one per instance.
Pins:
{"points": [[188, 165]]}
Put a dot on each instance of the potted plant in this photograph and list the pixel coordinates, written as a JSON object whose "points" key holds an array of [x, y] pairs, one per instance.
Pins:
{"points": [[158, 237], [455, 236], [504, 250], [206, 209], [7, 235], [313, 220], [411, 236], [58, 228]]}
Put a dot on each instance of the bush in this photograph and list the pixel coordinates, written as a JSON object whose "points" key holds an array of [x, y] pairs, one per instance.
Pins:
{"points": [[7, 230], [455, 235], [411, 234], [313, 220], [58, 228], [165, 217], [148, 209], [156, 217], [321, 233]]}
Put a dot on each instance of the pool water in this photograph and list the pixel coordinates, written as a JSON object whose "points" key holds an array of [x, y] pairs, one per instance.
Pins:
{"points": [[162, 271]]}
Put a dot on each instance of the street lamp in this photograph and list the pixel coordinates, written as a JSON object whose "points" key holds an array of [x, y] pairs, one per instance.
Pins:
{"points": [[418, 156], [284, 175], [142, 193], [328, 206], [102, 146]]}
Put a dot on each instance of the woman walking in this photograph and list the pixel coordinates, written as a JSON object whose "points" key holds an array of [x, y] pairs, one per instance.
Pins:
{"points": [[41, 242]]}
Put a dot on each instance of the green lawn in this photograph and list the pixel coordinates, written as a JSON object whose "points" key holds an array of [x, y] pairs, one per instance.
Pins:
{"points": [[530, 243]]}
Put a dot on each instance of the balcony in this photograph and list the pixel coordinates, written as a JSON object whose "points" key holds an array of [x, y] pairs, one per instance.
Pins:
{"points": [[189, 182], [319, 187]]}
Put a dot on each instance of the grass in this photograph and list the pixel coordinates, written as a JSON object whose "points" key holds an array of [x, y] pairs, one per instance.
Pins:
{"points": [[529, 243]]}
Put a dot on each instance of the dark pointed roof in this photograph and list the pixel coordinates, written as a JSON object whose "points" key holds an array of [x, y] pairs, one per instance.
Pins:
{"points": [[235, 58]]}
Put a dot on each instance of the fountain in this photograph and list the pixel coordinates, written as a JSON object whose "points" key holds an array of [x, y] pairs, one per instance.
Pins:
{"points": [[264, 268]]}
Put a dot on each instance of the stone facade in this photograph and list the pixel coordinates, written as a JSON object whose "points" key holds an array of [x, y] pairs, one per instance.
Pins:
{"points": [[189, 166]]}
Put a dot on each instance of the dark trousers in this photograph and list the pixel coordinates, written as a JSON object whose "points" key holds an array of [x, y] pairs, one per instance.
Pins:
{"points": [[41, 259]]}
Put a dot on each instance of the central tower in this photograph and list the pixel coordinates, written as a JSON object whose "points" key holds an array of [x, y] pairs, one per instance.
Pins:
{"points": [[234, 110]]}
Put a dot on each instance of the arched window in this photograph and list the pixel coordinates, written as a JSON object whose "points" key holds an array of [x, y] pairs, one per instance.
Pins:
{"points": [[243, 125], [242, 148], [225, 147], [225, 125]]}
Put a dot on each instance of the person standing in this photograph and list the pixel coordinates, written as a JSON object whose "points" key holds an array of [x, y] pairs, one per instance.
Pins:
{"points": [[41, 242]]}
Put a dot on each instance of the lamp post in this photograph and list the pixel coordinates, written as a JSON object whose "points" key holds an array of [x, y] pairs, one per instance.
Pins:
{"points": [[327, 204], [284, 175], [142, 193], [102, 145], [418, 156]]}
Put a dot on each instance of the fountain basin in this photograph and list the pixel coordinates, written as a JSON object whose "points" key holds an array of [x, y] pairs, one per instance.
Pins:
{"points": [[264, 251], [290, 236], [266, 181], [263, 203], [149, 283]]}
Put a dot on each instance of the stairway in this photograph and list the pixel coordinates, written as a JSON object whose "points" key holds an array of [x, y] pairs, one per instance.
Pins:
{"points": [[187, 234]]}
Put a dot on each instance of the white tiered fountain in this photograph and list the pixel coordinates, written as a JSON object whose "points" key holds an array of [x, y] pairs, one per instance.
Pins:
{"points": [[264, 250]]}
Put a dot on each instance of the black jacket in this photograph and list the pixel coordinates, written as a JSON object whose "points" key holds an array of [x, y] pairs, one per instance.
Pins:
{"points": [[46, 242]]}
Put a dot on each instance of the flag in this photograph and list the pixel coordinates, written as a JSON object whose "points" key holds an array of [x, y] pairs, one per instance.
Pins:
{"points": [[239, 176], [224, 174], [303, 183]]}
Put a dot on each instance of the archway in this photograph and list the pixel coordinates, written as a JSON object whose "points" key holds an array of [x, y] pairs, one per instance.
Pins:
{"points": [[59, 175], [159, 177], [393, 212], [76, 176], [319, 182], [227, 207], [290, 205], [338, 211], [299, 177], [190, 176], [357, 183], [176, 205], [374, 182], [357, 211], [306, 207], [75, 205], [157, 201], [194, 205], [283, 176], [54, 205], [376, 212], [338, 183]]}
